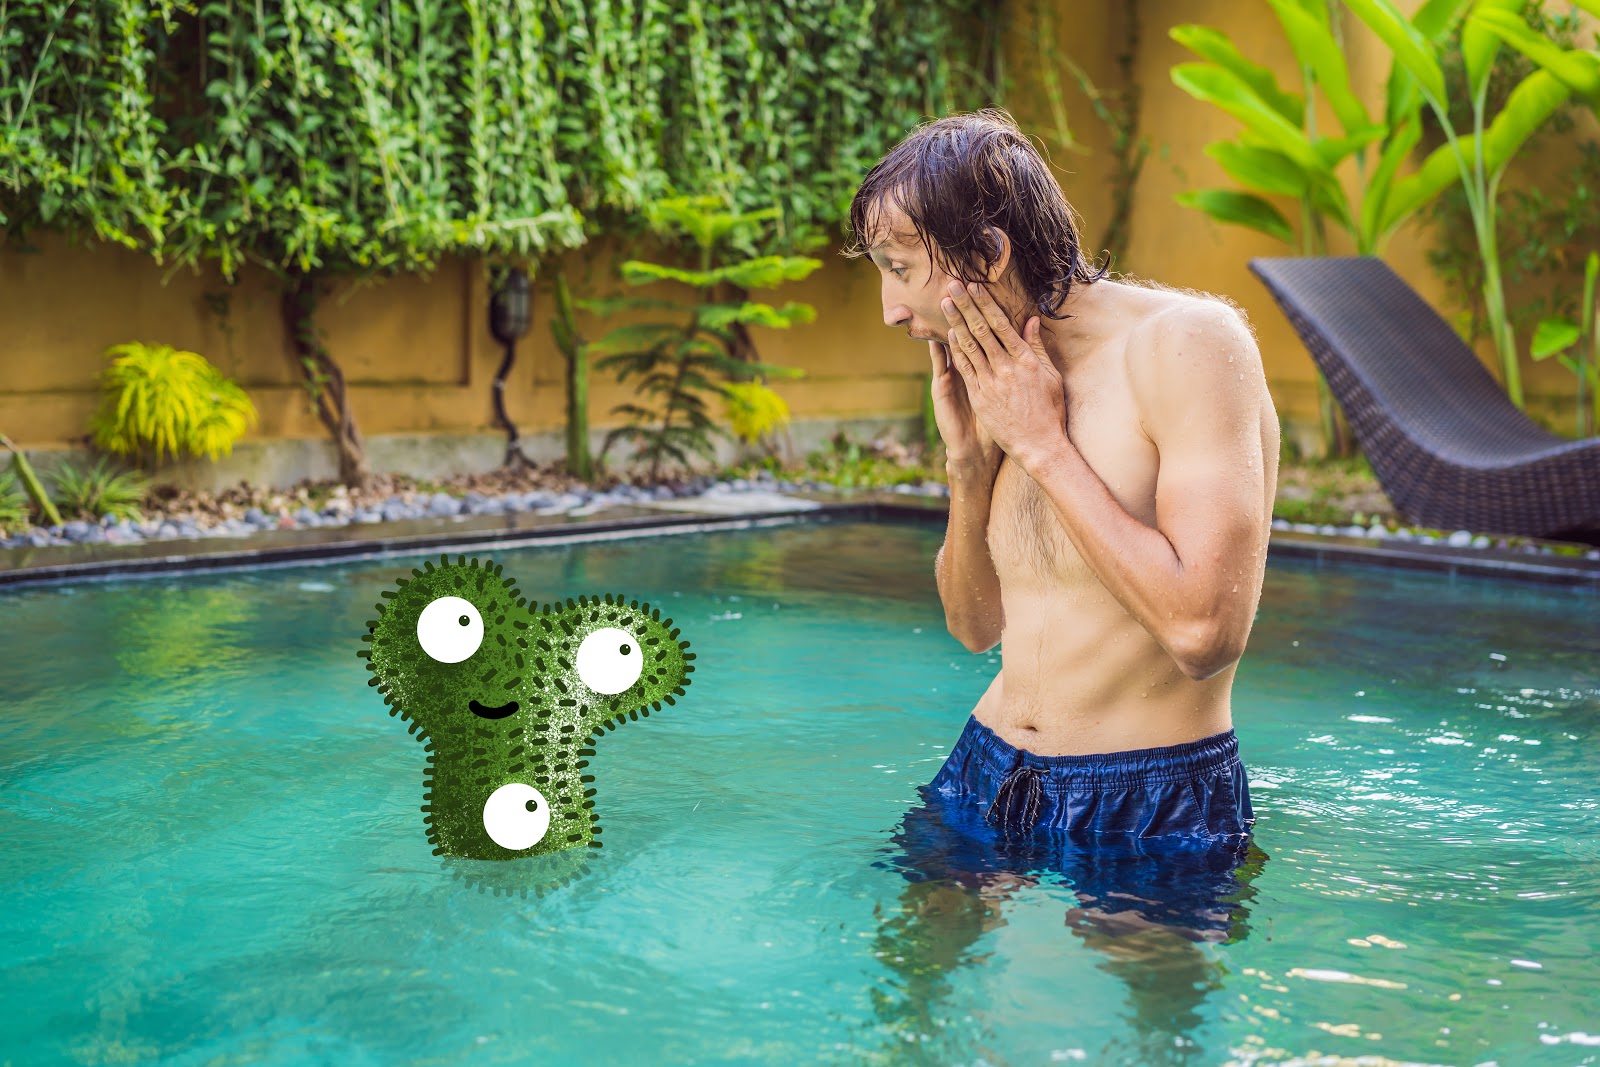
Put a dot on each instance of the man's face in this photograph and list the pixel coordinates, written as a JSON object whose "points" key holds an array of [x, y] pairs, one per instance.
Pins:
{"points": [[913, 284]]}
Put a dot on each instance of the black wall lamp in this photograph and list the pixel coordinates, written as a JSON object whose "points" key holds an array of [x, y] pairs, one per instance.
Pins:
{"points": [[510, 317]]}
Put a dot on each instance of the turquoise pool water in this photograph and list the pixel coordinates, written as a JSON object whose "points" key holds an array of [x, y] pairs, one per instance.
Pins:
{"points": [[213, 853]]}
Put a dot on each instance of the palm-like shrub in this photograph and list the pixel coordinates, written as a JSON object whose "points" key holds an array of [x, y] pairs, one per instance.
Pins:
{"points": [[100, 490], [13, 503]]}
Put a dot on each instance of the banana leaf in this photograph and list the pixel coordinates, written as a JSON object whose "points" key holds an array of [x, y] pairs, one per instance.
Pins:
{"points": [[1479, 43], [1577, 70], [1242, 209], [1214, 45], [1311, 39], [1411, 49], [1398, 149], [1529, 105], [1214, 85], [1265, 170]]}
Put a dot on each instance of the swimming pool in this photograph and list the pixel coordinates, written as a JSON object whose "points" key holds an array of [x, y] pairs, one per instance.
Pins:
{"points": [[214, 853]]}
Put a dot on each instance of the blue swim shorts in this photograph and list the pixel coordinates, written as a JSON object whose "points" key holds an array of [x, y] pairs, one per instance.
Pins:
{"points": [[1198, 789], [1163, 831]]}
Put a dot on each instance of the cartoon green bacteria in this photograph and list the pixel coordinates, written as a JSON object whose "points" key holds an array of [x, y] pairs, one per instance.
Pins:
{"points": [[509, 700]]}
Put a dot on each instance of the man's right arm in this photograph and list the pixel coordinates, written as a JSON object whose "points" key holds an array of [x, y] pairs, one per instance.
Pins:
{"points": [[964, 570]]}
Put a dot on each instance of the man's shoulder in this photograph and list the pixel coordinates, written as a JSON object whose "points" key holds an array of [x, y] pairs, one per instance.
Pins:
{"points": [[1189, 332]]}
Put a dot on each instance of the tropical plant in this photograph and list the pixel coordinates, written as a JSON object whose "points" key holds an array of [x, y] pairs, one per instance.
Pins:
{"points": [[1567, 340], [1545, 222], [157, 402], [100, 490], [1478, 162], [13, 503], [30, 482], [1578, 70], [674, 362], [1276, 157], [1279, 152]]}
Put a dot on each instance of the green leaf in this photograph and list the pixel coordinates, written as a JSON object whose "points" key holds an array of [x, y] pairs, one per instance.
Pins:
{"points": [[1242, 209], [1411, 49], [613, 305], [1214, 45], [1578, 70], [1437, 19], [1479, 44], [1334, 150], [1376, 197], [1554, 335], [717, 316], [641, 335], [1224, 89], [1314, 47], [1263, 169], [1328, 197], [1591, 267], [1533, 101]]}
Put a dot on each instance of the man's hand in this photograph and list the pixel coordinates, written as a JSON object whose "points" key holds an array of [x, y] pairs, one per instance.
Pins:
{"points": [[1015, 391], [966, 442]]}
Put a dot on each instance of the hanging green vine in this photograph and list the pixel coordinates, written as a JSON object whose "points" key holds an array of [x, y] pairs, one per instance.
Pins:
{"points": [[328, 139]]}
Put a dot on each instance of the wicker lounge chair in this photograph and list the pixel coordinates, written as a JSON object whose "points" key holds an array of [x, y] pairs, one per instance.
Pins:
{"points": [[1450, 449]]}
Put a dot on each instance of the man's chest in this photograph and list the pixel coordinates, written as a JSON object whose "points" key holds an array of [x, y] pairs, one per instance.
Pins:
{"points": [[1026, 537]]}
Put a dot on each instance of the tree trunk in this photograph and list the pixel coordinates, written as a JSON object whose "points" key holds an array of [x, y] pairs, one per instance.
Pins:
{"points": [[323, 378]]}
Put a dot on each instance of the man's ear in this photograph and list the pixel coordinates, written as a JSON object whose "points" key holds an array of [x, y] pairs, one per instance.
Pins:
{"points": [[1000, 248]]}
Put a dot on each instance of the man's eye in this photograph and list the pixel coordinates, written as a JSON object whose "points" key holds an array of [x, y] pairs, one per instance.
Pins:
{"points": [[897, 271]]}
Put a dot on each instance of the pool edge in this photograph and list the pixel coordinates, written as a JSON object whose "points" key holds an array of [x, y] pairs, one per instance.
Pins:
{"points": [[150, 559]]}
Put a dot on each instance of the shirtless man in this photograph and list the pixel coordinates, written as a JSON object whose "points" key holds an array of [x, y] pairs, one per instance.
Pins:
{"points": [[1112, 456]]}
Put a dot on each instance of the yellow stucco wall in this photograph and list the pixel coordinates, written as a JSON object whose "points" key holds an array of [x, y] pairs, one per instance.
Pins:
{"points": [[420, 357]]}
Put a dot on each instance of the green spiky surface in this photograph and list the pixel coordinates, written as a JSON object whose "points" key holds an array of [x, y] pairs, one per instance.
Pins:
{"points": [[528, 655]]}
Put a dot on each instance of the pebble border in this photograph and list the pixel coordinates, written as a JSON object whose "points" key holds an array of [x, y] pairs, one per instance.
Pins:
{"points": [[441, 505]]}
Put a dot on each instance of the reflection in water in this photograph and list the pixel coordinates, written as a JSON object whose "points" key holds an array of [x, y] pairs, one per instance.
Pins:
{"points": [[1145, 905]]}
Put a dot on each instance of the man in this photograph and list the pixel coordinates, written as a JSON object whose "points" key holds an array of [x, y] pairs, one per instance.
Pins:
{"points": [[1112, 456]]}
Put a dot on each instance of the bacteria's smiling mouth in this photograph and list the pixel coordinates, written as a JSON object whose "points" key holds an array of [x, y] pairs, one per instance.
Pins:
{"points": [[493, 713]]}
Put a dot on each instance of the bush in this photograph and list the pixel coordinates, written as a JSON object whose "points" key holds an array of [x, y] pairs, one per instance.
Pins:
{"points": [[158, 400], [100, 491], [13, 504]]}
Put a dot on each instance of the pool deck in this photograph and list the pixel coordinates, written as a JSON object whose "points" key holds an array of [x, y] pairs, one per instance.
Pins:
{"points": [[725, 511]]}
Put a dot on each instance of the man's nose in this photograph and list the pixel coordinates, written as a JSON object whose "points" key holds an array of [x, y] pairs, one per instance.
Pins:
{"points": [[897, 317]]}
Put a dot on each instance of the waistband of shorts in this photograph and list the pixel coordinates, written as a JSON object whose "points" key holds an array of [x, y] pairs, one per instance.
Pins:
{"points": [[1170, 763]]}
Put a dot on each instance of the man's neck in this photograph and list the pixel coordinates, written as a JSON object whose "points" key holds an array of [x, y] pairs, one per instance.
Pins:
{"points": [[1068, 340]]}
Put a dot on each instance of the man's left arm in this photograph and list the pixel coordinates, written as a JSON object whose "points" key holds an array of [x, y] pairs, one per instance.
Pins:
{"points": [[1194, 579]]}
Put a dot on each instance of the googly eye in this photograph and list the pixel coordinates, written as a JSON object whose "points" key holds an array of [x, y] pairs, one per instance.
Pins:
{"points": [[516, 816], [450, 629], [610, 660]]}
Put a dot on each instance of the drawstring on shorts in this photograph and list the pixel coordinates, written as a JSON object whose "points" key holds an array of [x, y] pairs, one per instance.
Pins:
{"points": [[1018, 801]]}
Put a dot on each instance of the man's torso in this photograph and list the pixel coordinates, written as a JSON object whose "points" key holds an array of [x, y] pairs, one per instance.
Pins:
{"points": [[1079, 674]]}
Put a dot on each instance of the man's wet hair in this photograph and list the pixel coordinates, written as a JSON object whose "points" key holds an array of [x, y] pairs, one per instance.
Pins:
{"points": [[957, 179]]}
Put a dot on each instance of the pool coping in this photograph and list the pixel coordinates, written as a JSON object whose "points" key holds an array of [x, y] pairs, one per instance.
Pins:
{"points": [[62, 564]]}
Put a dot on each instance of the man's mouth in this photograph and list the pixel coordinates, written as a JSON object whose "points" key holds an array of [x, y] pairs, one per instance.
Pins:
{"points": [[493, 713]]}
